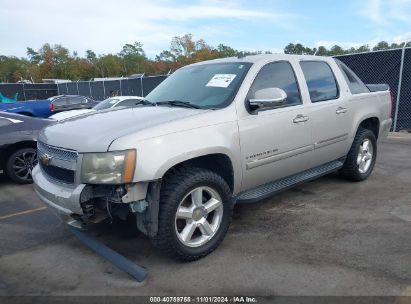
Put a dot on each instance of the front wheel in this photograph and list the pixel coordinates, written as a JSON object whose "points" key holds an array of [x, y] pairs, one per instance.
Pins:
{"points": [[20, 165], [195, 212], [361, 157]]}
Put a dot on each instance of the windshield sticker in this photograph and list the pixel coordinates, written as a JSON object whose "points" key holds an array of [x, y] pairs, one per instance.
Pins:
{"points": [[221, 80]]}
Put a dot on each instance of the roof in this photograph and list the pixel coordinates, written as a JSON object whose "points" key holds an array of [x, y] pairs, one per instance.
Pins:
{"points": [[265, 58]]}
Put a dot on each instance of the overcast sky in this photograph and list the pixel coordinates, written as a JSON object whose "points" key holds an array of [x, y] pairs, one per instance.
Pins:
{"points": [[104, 26]]}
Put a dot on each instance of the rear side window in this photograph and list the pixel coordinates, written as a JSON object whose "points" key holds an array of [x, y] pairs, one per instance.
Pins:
{"points": [[75, 100], [355, 84], [320, 80], [277, 75], [59, 101]]}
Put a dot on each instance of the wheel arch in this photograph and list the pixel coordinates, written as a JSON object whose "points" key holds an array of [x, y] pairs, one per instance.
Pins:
{"points": [[20, 145], [371, 123], [219, 163]]}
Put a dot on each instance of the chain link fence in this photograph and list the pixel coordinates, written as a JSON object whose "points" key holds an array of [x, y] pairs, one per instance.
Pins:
{"points": [[392, 67], [97, 90], [100, 90]]}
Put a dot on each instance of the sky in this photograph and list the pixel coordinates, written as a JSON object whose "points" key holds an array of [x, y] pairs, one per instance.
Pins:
{"points": [[105, 26]]}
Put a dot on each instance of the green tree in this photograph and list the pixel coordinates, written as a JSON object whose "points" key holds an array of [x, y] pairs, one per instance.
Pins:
{"points": [[382, 45], [133, 57]]}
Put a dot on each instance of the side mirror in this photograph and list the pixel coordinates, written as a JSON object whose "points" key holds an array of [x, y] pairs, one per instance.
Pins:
{"points": [[266, 99]]}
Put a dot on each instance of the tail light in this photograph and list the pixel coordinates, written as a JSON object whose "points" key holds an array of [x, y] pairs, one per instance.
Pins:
{"points": [[392, 104], [51, 107]]}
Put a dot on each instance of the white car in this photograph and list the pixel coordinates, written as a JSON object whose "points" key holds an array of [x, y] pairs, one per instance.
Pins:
{"points": [[112, 102]]}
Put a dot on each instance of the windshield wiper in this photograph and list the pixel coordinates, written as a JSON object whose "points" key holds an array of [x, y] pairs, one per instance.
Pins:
{"points": [[178, 103]]}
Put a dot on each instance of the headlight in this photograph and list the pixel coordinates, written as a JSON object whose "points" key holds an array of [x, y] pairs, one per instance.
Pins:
{"points": [[109, 167]]}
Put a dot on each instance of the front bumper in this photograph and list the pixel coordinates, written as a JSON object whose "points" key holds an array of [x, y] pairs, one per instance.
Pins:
{"points": [[63, 199]]}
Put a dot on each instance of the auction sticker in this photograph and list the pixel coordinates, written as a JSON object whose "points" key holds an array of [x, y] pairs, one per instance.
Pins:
{"points": [[221, 80]]}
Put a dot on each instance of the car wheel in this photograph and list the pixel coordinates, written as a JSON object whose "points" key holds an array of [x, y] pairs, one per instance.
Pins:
{"points": [[361, 157], [20, 165], [195, 212]]}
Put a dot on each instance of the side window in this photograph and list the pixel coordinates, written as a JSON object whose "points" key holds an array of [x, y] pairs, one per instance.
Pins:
{"points": [[75, 100], [320, 80], [59, 101], [127, 103], [277, 75], [4, 122], [355, 84]]}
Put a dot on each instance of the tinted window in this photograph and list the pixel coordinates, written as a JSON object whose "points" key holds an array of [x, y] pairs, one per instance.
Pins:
{"points": [[75, 100], [354, 82], [277, 75], [127, 103], [320, 80], [59, 101], [4, 122]]}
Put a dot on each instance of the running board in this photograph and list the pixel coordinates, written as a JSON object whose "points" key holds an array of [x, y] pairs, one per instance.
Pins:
{"points": [[267, 190], [137, 272]]}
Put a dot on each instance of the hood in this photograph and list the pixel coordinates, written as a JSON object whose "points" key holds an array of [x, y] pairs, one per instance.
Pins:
{"points": [[96, 131], [69, 114]]}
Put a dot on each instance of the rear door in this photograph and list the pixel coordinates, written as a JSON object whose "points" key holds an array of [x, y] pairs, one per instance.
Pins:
{"points": [[329, 110], [277, 142]]}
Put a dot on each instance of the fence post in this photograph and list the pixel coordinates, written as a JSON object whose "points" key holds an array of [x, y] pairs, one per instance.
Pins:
{"points": [[78, 91], [121, 90], [104, 90], [397, 103], [89, 87], [24, 93], [141, 83]]}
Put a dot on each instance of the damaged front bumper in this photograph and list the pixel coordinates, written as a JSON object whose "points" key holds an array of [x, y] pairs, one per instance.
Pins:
{"points": [[89, 203]]}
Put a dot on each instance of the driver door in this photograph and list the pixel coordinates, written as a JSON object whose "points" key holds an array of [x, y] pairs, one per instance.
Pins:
{"points": [[276, 142]]}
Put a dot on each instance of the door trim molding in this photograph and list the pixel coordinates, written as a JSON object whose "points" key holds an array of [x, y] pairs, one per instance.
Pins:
{"points": [[278, 156], [330, 141]]}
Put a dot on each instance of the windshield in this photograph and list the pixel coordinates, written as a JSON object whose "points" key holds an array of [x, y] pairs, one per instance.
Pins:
{"points": [[106, 104], [206, 85]]}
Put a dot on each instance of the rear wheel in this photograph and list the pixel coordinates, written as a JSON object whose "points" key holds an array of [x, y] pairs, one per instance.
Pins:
{"points": [[195, 212], [361, 157], [20, 165]]}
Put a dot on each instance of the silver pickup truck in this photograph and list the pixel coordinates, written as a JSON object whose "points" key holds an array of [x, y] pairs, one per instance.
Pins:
{"points": [[213, 134]]}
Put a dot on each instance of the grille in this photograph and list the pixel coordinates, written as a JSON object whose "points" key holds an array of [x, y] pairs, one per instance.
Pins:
{"points": [[63, 154], [60, 174]]}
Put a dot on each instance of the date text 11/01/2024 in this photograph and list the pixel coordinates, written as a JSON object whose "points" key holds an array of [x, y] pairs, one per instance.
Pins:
{"points": [[203, 299]]}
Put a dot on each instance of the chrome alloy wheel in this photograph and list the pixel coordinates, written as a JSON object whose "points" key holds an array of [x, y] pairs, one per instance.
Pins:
{"points": [[198, 216], [24, 163], [365, 155]]}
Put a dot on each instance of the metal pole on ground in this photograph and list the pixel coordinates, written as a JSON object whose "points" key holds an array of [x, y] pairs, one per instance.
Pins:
{"points": [[397, 103]]}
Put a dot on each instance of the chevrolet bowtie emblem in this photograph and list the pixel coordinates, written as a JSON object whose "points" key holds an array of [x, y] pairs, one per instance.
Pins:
{"points": [[45, 159]]}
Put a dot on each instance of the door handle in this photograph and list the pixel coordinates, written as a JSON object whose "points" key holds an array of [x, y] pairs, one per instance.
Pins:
{"points": [[300, 118], [341, 110]]}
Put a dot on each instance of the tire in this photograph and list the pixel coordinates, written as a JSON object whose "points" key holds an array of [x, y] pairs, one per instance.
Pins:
{"points": [[181, 191], [354, 168], [20, 164]]}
